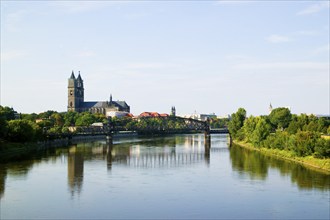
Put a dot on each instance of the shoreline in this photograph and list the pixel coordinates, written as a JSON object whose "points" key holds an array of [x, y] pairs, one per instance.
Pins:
{"points": [[320, 165]]}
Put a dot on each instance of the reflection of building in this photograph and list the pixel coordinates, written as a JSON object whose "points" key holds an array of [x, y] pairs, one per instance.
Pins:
{"points": [[75, 170]]}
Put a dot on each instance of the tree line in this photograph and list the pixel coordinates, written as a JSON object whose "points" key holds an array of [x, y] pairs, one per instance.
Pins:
{"points": [[16, 127], [31, 127], [302, 134]]}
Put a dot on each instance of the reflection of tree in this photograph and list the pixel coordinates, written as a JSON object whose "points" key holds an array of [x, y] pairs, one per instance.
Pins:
{"points": [[256, 164], [251, 162], [307, 179], [75, 170], [3, 176]]}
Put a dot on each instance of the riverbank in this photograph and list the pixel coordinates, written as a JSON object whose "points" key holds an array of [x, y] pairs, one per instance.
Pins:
{"points": [[10, 151], [322, 165]]}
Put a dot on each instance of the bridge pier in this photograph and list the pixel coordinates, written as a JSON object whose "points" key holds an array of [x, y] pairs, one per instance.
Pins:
{"points": [[109, 138], [109, 134]]}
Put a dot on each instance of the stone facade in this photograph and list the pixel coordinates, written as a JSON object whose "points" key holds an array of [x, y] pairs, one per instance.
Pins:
{"points": [[77, 103]]}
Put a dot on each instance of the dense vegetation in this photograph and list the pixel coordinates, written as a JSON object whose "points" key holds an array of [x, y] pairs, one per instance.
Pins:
{"points": [[303, 134], [23, 128], [31, 127]]}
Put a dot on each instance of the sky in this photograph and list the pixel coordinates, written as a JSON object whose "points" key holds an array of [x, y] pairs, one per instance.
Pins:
{"points": [[199, 56]]}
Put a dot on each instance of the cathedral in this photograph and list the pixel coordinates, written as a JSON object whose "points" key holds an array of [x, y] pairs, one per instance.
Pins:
{"points": [[77, 103]]}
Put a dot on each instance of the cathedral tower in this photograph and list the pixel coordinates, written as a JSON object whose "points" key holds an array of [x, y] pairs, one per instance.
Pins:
{"points": [[75, 93]]}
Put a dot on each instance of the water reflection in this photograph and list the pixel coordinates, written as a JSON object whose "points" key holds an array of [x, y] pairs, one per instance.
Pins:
{"points": [[145, 153], [249, 162], [257, 166], [75, 170], [3, 176], [163, 153]]}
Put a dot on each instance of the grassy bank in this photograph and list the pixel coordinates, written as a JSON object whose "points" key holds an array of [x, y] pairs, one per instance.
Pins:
{"points": [[309, 161]]}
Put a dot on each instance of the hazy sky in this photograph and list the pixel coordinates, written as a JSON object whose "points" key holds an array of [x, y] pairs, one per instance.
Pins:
{"points": [[203, 56]]}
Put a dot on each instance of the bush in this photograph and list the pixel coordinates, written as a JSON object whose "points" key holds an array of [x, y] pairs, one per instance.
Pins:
{"points": [[322, 148], [23, 130]]}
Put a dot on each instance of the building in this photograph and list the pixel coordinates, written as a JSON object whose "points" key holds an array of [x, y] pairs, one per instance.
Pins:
{"points": [[77, 103], [200, 117]]}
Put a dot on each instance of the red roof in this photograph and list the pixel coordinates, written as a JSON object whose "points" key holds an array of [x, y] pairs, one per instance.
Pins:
{"points": [[153, 114]]}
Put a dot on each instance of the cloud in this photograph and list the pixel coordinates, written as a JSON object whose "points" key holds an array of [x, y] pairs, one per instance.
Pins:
{"points": [[150, 65], [233, 2], [86, 54], [291, 67], [83, 6], [307, 33], [278, 39], [12, 55], [12, 20], [322, 49], [314, 8]]}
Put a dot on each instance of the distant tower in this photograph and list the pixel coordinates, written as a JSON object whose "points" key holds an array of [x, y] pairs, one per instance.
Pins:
{"points": [[270, 108], [80, 90], [110, 99], [173, 111], [75, 92]]}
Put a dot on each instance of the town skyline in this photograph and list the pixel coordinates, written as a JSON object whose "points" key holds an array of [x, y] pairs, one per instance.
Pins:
{"points": [[208, 57]]}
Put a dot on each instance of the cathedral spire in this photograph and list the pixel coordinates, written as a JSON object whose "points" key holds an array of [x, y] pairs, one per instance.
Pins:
{"points": [[79, 77], [72, 75], [270, 108]]}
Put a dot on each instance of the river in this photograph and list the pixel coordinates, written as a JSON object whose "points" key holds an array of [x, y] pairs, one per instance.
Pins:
{"points": [[177, 177]]}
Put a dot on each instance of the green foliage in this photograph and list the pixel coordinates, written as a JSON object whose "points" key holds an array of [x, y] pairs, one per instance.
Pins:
{"points": [[322, 148], [236, 122], [7, 113], [70, 118], [45, 123], [23, 130], [57, 119], [3, 127], [301, 135], [219, 122], [261, 131], [305, 142], [278, 140], [85, 119], [31, 117], [280, 118], [46, 114], [248, 127]]}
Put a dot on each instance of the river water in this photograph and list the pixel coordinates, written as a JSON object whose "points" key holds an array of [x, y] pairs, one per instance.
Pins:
{"points": [[177, 177]]}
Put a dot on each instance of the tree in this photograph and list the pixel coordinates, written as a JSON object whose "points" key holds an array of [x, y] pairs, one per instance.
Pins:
{"points": [[280, 118], [262, 130], [305, 142], [7, 113], [23, 130], [322, 148], [70, 118], [31, 117], [236, 122], [85, 119], [249, 126], [58, 119], [3, 127]]}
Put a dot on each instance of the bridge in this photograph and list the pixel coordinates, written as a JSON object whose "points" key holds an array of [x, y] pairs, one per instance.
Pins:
{"points": [[148, 126], [154, 125]]}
